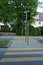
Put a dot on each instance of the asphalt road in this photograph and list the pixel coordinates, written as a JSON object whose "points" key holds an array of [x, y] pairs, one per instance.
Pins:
{"points": [[21, 56]]}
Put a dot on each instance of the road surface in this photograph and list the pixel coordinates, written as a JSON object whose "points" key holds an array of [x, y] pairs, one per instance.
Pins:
{"points": [[21, 56]]}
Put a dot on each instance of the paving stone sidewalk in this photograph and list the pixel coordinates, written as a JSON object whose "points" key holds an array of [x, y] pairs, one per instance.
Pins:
{"points": [[20, 43]]}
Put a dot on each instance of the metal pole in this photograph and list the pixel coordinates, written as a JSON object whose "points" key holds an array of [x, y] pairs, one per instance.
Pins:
{"points": [[27, 29], [25, 32]]}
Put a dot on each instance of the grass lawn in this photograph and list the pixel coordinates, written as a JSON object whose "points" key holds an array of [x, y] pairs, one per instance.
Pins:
{"points": [[41, 41], [3, 43]]}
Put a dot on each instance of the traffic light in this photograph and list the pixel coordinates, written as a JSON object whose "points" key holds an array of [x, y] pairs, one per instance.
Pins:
{"points": [[28, 15]]}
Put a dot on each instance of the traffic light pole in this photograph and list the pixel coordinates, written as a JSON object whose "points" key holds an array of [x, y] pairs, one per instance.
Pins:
{"points": [[27, 28], [26, 19], [25, 32]]}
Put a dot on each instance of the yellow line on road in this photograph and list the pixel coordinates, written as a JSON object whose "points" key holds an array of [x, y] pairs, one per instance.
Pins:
{"points": [[22, 38], [16, 53], [21, 59], [25, 48]]}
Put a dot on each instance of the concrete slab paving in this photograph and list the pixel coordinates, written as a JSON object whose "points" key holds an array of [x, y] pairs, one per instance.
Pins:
{"points": [[20, 43]]}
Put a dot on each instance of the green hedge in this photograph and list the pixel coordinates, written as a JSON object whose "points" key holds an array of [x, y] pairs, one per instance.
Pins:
{"points": [[19, 30], [7, 30], [41, 29], [33, 31]]}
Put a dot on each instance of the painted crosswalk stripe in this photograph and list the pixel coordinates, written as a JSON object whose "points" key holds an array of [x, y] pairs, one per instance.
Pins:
{"points": [[16, 53], [22, 38], [21, 59], [25, 48]]}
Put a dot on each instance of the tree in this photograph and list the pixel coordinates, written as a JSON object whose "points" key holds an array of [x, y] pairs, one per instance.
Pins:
{"points": [[14, 9], [11, 8], [26, 5], [6, 11]]}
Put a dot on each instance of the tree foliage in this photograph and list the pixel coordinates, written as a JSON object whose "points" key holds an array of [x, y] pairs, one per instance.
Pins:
{"points": [[12, 9], [6, 11]]}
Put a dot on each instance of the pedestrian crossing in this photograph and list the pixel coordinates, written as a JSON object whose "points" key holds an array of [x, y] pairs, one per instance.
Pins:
{"points": [[25, 48], [22, 38], [22, 55], [15, 53]]}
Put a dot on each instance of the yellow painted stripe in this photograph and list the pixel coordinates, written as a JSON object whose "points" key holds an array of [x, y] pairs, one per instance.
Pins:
{"points": [[25, 48], [21, 38], [16, 53], [21, 59]]}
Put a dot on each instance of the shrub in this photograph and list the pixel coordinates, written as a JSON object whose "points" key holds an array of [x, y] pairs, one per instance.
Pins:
{"points": [[33, 31]]}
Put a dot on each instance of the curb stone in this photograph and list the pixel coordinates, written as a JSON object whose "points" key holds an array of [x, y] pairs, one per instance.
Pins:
{"points": [[9, 43]]}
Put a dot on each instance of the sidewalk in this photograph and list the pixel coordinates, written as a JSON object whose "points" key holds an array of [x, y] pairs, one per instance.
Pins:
{"points": [[20, 43]]}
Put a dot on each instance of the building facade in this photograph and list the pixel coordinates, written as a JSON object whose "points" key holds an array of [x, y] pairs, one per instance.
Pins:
{"points": [[38, 20]]}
